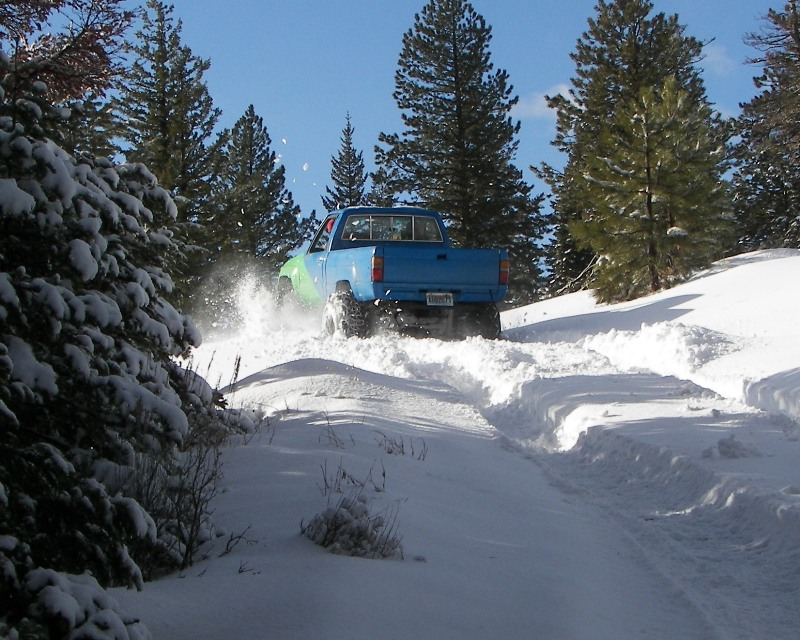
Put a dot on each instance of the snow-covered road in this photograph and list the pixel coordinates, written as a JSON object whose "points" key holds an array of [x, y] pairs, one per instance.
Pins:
{"points": [[602, 472]]}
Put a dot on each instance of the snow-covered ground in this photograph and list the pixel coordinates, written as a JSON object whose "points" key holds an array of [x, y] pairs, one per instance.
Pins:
{"points": [[602, 472]]}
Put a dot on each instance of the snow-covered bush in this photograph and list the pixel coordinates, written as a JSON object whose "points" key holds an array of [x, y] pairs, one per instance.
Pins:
{"points": [[347, 528], [75, 606]]}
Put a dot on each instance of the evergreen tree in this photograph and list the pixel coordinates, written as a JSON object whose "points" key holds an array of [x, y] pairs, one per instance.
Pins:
{"points": [[380, 193], [347, 174], [167, 122], [255, 214], [167, 114], [90, 395], [659, 201], [623, 51], [569, 264], [456, 154], [767, 181], [255, 223], [90, 128]]}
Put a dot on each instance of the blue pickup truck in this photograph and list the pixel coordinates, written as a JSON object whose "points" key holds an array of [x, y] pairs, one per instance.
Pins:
{"points": [[377, 269]]}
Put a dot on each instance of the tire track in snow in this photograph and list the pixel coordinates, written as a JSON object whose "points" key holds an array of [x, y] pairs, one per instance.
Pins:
{"points": [[540, 397]]}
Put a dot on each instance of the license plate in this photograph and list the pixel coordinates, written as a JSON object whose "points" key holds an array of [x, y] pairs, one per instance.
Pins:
{"points": [[436, 299]]}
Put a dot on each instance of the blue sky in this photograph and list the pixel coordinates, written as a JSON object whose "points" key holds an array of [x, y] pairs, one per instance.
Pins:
{"points": [[305, 64]]}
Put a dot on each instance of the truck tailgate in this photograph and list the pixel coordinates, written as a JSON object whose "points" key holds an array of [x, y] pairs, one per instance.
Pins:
{"points": [[447, 268]]}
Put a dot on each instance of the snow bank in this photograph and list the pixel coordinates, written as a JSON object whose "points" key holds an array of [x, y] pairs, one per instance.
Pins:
{"points": [[779, 393], [667, 348]]}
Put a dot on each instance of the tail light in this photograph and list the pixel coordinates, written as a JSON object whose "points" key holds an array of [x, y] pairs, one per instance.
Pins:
{"points": [[377, 268], [503, 272]]}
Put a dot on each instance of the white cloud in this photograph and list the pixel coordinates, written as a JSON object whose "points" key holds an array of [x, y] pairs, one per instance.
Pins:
{"points": [[717, 60], [534, 106]]}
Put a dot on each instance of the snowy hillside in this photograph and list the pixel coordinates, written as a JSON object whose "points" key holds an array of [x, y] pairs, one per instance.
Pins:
{"points": [[627, 471]]}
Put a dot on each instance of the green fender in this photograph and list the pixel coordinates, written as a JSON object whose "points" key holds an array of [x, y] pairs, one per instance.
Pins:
{"points": [[302, 282]]}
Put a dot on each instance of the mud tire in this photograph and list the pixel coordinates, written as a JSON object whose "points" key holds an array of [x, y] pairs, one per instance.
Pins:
{"points": [[344, 316], [484, 321]]}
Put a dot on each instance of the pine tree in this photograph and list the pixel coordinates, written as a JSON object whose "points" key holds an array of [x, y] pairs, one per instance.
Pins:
{"points": [[623, 51], [255, 214], [381, 193], [659, 201], [68, 247], [569, 264], [766, 189], [90, 392], [167, 120], [255, 223], [456, 154], [347, 174], [767, 180], [90, 128], [167, 114]]}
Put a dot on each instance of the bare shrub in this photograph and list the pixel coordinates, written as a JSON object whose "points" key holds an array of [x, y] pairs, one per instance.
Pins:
{"points": [[395, 446], [348, 528], [176, 488], [330, 434]]}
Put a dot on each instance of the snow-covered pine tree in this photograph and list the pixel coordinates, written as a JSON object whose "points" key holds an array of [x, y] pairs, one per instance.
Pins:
{"points": [[89, 391], [767, 180], [347, 174], [624, 50], [457, 151], [569, 265], [167, 121], [660, 208], [84, 123]]}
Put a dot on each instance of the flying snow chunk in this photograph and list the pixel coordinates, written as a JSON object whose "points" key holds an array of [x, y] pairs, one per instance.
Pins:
{"points": [[305, 166], [283, 140]]}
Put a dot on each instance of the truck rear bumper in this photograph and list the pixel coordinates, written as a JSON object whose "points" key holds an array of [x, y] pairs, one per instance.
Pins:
{"points": [[408, 294], [417, 318]]}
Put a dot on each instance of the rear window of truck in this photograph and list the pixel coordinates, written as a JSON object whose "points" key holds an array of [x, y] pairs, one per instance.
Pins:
{"points": [[402, 228]]}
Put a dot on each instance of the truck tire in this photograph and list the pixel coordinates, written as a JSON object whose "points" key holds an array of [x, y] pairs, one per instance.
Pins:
{"points": [[482, 320], [343, 316], [490, 322]]}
